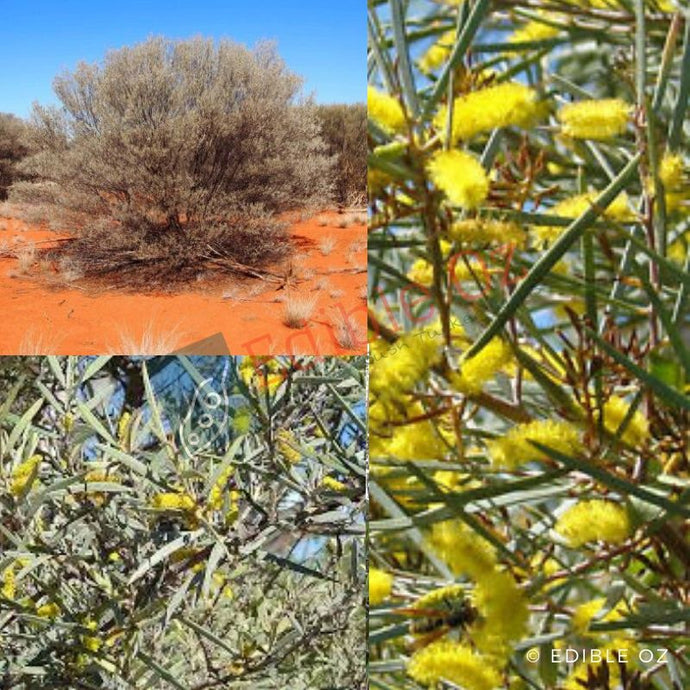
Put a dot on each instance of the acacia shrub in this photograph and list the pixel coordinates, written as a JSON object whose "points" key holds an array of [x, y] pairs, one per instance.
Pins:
{"points": [[344, 128], [12, 149], [178, 149]]}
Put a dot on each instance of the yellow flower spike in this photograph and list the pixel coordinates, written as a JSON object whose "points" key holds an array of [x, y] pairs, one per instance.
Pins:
{"points": [[637, 429], [123, 426], [584, 613], [535, 30], [460, 176], [475, 372], [592, 521], [595, 119], [91, 642], [50, 610], [454, 662], [671, 171], [242, 421], [480, 111], [438, 53], [463, 550], [333, 484], [503, 612], [217, 493], [173, 501], [385, 110], [287, 446], [380, 586], [485, 231], [22, 474], [573, 207], [9, 582], [514, 448]]}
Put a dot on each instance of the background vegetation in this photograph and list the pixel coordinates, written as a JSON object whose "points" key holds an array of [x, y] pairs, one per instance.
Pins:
{"points": [[13, 147], [344, 129], [529, 335], [181, 523]]}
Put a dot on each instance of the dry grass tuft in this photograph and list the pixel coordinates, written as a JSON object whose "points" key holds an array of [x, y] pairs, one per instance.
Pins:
{"points": [[34, 342], [298, 310], [26, 257], [152, 341], [347, 334], [327, 245]]}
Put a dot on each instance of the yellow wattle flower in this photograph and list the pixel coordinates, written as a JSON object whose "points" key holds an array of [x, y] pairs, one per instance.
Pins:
{"points": [[575, 206], [385, 111], [332, 483], [487, 230], [584, 613], [22, 474], [503, 613], [502, 105], [594, 520], [595, 119], [637, 429], [462, 549], [287, 446], [9, 582], [380, 586], [50, 610], [460, 176], [478, 370], [514, 448], [438, 53], [535, 30], [123, 425], [455, 662], [173, 501]]}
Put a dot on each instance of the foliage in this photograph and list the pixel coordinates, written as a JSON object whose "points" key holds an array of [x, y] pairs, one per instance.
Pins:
{"points": [[177, 522], [12, 149], [344, 129], [173, 155], [529, 379]]}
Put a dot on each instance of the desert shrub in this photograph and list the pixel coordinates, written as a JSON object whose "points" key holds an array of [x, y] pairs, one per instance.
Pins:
{"points": [[13, 147], [529, 412], [344, 129], [190, 523], [179, 145]]}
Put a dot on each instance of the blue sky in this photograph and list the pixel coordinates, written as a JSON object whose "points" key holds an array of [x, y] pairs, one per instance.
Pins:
{"points": [[322, 40]]}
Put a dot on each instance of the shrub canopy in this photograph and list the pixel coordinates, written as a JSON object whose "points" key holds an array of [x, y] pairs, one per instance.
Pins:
{"points": [[177, 144], [344, 128], [182, 522], [12, 149]]}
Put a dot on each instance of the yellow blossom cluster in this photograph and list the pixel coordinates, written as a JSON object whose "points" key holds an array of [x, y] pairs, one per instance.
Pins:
{"points": [[500, 105], [594, 520], [515, 447], [595, 119], [23, 473], [380, 586], [573, 207], [616, 411], [385, 111], [455, 662], [475, 372], [460, 176], [487, 230]]}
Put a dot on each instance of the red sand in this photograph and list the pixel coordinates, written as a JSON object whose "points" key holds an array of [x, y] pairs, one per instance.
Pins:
{"points": [[40, 318]]}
